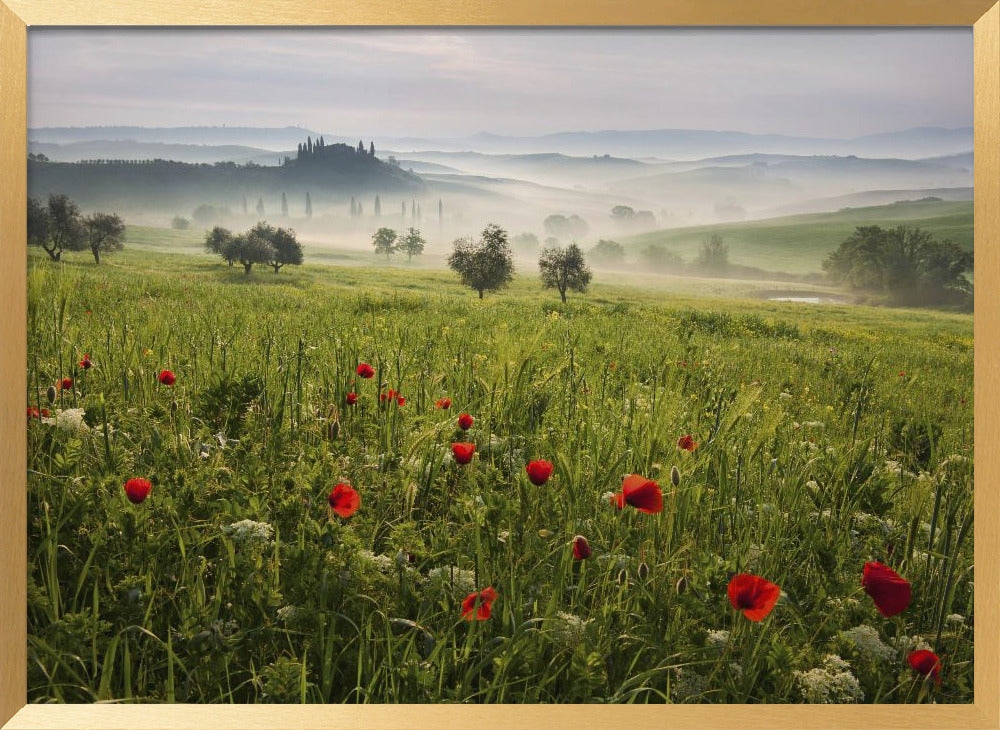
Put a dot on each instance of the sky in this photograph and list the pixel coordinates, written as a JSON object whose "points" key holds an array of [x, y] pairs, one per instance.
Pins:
{"points": [[456, 82]]}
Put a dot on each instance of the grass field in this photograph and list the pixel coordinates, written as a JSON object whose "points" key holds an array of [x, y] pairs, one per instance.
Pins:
{"points": [[827, 436], [799, 244]]}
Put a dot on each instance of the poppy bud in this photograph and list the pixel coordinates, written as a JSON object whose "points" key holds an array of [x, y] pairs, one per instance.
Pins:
{"points": [[173, 406], [51, 394], [682, 585], [333, 430], [675, 476], [642, 572], [622, 577]]}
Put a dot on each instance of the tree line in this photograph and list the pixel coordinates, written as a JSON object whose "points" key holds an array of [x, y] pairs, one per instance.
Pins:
{"points": [[58, 226], [905, 264], [487, 264], [263, 244]]}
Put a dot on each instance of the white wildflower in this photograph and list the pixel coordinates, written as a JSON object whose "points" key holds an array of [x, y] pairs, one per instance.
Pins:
{"points": [[784, 395], [814, 425], [249, 532], [717, 639], [70, 419], [868, 643], [382, 563], [955, 618], [687, 684], [568, 629], [832, 683], [737, 670], [288, 613], [464, 581]]}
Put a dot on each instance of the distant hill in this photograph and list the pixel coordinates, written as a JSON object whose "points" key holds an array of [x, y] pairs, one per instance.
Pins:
{"points": [[104, 149], [679, 144], [340, 171], [799, 244]]}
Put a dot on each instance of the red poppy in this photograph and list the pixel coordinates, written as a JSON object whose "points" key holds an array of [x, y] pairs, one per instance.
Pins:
{"points": [[366, 371], [581, 548], [642, 493], [902, 373], [35, 413], [618, 501], [137, 490], [463, 451], [687, 443], [443, 404], [465, 421], [352, 398], [539, 471], [166, 377], [753, 595], [66, 384], [888, 589], [344, 500], [86, 363], [400, 401], [478, 605], [926, 663]]}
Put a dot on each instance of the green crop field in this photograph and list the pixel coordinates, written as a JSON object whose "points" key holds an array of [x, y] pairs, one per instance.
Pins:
{"points": [[821, 438], [799, 244]]}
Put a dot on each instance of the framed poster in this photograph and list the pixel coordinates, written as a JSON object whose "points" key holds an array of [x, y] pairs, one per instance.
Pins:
{"points": [[625, 363]]}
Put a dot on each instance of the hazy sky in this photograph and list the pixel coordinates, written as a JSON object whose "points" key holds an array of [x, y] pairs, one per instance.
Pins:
{"points": [[448, 82]]}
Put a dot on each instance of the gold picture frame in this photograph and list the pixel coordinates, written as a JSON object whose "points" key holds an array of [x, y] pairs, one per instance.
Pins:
{"points": [[17, 15]]}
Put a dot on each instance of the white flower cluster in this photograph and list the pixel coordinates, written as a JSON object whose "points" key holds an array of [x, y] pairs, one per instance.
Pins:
{"points": [[464, 581], [568, 628], [382, 563], [717, 639], [288, 613], [868, 643], [70, 419], [687, 684], [907, 644], [955, 618], [249, 532], [832, 683]]}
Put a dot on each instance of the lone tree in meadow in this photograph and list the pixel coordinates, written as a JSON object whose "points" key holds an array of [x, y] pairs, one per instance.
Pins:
{"points": [[714, 254], [56, 227], [249, 249], [412, 244], [384, 242], [219, 242], [484, 265], [284, 247], [564, 269], [105, 234]]}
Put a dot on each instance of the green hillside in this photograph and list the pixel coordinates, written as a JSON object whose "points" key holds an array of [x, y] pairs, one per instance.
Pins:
{"points": [[799, 244]]}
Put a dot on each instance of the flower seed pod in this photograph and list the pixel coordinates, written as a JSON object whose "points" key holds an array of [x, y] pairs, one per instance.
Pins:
{"points": [[642, 572], [333, 430], [675, 476], [51, 394]]}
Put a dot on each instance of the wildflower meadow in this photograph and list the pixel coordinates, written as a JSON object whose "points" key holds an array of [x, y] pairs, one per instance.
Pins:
{"points": [[364, 485]]}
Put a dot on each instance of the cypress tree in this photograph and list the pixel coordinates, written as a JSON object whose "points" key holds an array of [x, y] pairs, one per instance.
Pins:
{"points": [[260, 207], [361, 147], [413, 210], [360, 212], [354, 208], [440, 212], [309, 144], [284, 205], [372, 153], [309, 206], [378, 207]]}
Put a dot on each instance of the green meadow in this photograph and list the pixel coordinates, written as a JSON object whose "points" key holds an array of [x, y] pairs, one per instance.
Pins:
{"points": [[799, 244], [826, 436]]}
